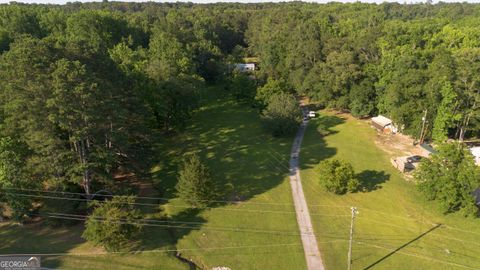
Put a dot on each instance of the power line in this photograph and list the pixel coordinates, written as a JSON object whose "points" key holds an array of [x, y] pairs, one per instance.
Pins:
{"points": [[152, 223], [143, 197], [398, 216], [246, 210], [161, 250], [177, 206], [418, 256], [431, 234], [461, 230], [376, 211]]}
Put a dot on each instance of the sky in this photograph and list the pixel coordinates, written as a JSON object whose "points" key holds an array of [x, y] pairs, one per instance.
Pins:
{"points": [[241, 1]]}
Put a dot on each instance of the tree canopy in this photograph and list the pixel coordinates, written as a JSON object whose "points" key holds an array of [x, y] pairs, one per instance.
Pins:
{"points": [[450, 177]]}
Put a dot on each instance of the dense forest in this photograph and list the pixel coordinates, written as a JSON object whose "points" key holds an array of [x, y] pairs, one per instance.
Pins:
{"points": [[85, 88]]}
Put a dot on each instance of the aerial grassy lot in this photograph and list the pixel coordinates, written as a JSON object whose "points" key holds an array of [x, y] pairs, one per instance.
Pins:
{"points": [[258, 231], [244, 159], [396, 227]]}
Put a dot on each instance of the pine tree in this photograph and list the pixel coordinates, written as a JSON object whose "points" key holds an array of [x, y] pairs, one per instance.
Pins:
{"points": [[195, 184]]}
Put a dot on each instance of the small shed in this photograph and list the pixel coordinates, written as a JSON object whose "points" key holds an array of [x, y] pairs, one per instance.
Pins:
{"points": [[383, 124], [476, 154]]}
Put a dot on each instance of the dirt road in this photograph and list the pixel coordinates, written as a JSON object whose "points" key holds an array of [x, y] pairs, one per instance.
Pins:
{"points": [[310, 246]]}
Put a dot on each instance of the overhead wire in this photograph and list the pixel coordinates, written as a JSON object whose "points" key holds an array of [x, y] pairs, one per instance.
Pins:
{"points": [[151, 223], [418, 256], [172, 205]]}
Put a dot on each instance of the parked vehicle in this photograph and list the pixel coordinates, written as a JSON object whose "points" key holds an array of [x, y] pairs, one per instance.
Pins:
{"points": [[414, 159]]}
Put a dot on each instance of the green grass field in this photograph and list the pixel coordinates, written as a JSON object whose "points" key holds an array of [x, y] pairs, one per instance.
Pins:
{"points": [[260, 232], [395, 228], [242, 157]]}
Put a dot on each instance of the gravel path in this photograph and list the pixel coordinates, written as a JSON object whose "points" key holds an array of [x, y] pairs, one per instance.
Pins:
{"points": [[310, 246]]}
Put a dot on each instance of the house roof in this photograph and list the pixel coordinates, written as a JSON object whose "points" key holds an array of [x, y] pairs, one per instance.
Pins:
{"points": [[382, 120]]}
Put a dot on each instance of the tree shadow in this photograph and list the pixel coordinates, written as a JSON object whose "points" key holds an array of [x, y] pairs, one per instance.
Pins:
{"points": [[370, 180], [318, 149], [229, 138], [39, 238], [167, 231], [402, 247], [244, 160], [326, 122]]}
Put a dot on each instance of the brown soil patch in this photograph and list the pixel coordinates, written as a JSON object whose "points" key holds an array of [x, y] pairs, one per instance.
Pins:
{"points": [[398, 145]]}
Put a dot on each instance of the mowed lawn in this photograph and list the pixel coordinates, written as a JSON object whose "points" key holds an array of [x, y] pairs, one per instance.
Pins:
{"points": [[63, 248], [257, 232], [396, 227]]}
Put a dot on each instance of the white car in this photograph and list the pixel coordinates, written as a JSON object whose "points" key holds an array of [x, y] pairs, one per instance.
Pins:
{"points": [[312, 114]]}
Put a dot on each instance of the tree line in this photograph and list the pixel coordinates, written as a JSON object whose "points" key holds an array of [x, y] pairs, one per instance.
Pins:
{"points": [[392, 59]]}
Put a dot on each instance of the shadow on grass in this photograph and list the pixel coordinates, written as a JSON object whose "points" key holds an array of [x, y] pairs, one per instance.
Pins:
{"points": [[243, 158], [168, 231], [370, 180], [314, 147], [39, 238], [402, 247], [230, 139]]}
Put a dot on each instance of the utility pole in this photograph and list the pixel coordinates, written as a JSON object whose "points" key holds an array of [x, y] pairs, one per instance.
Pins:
{"points": [[354, 212], [422, 133]]}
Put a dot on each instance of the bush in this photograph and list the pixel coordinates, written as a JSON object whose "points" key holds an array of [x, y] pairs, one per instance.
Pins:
{"points": [[113, 224], [195, 185], [282, 115], [337, 176]]}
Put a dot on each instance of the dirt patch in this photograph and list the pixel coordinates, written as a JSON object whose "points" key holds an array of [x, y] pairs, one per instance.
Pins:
{"points": [[398, 145]]}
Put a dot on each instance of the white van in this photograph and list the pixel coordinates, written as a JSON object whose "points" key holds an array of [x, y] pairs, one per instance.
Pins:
{"points": [[312, 114]]}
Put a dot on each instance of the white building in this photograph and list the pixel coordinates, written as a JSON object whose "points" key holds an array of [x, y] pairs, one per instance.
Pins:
{"points": [[245, 67]]}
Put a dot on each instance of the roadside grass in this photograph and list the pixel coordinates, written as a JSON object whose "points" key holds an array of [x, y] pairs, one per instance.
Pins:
{"points": [[396, 227], [259, 231]]}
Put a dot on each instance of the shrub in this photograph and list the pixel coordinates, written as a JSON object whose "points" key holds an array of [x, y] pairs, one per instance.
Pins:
{"points": [[337, 176], [113, 224]]}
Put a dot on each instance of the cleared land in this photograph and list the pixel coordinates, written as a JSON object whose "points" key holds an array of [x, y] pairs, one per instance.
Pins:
{"points": [[257, 232], [396, 227], [245, 159]]}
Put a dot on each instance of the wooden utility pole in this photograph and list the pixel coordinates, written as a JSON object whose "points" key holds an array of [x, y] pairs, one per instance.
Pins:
{"points": [[354, 212], [422, 132]]}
